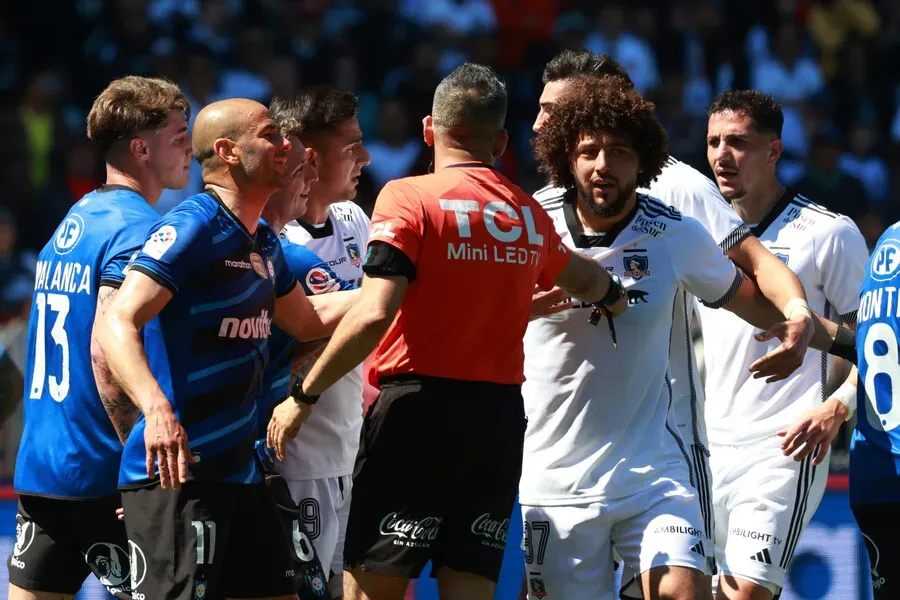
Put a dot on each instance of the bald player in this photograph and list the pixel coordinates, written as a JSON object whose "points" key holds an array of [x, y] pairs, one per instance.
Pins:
{"points": [[186, 338]]}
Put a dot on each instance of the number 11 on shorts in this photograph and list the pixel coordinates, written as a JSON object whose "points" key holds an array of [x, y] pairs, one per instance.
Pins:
{"points": [[206, 532]]}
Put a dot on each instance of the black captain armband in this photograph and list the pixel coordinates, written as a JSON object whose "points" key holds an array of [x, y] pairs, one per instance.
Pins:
{"points": [[844, 344], [388, 261]]}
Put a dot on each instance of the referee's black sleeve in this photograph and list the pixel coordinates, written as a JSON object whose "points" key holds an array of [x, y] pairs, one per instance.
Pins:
{"points": [[388, 261]]}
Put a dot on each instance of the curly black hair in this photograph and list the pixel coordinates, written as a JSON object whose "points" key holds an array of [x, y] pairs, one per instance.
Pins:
{"points": [[591, 105]]}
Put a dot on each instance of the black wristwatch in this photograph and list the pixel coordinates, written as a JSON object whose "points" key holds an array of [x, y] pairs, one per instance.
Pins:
{"points": [[614, 293], [298, 395]]}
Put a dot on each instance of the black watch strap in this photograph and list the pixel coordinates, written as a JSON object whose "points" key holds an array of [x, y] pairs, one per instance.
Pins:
{"points": [[298, 395], [614, 293]]}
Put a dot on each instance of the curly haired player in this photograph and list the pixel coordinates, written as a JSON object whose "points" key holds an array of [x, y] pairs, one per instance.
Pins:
{"points": [[603, 463]]}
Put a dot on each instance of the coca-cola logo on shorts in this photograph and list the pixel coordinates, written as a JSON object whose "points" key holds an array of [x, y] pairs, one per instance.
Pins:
{"points": [[418, 531], [493, 529]]}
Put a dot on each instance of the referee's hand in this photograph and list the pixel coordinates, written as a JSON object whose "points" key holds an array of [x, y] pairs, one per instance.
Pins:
{"points": [[549, 303], [167, 447]]}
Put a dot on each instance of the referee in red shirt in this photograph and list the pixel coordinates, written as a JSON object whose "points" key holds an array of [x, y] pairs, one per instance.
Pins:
{"points": [[452, 262]]}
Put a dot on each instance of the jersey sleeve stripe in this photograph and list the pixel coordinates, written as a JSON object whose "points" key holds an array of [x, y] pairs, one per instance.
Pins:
{"points": [[288, 291], [731, 293], [155, 277], [113, 283], [849, 318], [653, 208], [806, 203], [734, 238]]}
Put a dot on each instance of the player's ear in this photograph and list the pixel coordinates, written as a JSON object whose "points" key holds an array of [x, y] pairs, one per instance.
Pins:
{"points": [[226, 150], [139, 148], [428, 130], [776, 147], [500, 143]]}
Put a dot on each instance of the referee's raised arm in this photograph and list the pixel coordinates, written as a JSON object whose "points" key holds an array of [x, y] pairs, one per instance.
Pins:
{"points": [[452, 262]]}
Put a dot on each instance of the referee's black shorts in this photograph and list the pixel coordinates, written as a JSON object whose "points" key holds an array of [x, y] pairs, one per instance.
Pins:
{"points": [[436, 477]]}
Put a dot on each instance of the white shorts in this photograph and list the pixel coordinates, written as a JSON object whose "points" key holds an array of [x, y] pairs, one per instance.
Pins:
{"points": [[763, 501], [324, 508], [701, 478], [569, 549]]}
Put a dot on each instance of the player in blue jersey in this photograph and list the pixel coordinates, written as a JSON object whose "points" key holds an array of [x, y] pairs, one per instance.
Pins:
{"points": [[205, 289], [68, 460], [875, 449], [287, 204]]}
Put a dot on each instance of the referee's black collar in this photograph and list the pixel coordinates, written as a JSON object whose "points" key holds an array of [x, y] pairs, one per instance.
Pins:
{"points": [[598, 240], [471, 164]]}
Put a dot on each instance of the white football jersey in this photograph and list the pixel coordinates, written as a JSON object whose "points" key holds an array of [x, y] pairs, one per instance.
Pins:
{"points": [[828, 254], [327, 443], [694, 195], [598, 417]]}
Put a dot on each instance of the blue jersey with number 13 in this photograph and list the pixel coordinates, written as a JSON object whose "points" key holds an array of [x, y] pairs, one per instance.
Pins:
{"points": [[69, 448], [875, 450]]}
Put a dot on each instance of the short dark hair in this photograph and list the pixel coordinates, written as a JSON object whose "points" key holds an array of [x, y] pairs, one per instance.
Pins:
{"points": [[322, 108], [130, 105], [288, 114], [569, 64], [470, 102], [592, 105], [763, 110]]}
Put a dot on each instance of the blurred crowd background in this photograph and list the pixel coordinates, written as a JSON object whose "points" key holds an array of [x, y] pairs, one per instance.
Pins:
{"points": [[833, 64]]}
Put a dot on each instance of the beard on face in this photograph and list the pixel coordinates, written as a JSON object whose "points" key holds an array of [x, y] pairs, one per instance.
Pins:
{"points": [[734, 194], [609, 208]]}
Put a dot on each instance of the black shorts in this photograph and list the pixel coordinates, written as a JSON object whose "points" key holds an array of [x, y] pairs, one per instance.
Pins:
{"points": [[880, 525], [207, 539], [59, 542], [309, 578], [436, 477]]}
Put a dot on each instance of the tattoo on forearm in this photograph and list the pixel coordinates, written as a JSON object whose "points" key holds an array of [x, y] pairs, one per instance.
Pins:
{"points": [[122, 412], [105, 297]]}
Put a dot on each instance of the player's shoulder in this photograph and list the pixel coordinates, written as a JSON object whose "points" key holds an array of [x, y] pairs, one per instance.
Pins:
{"points": [[551, 198], [298, 254], [114, 209], [821, 222], [198, 207], [193, 220], [890, 235], [655, 208], [348, 211], [679, 178]]}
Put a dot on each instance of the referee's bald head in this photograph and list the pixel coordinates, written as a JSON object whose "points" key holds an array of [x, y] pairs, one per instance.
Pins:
{"points": [[470, 103]]}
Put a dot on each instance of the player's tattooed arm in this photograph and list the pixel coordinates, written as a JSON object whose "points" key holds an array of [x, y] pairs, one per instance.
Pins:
{"points": [[121, 410]]}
